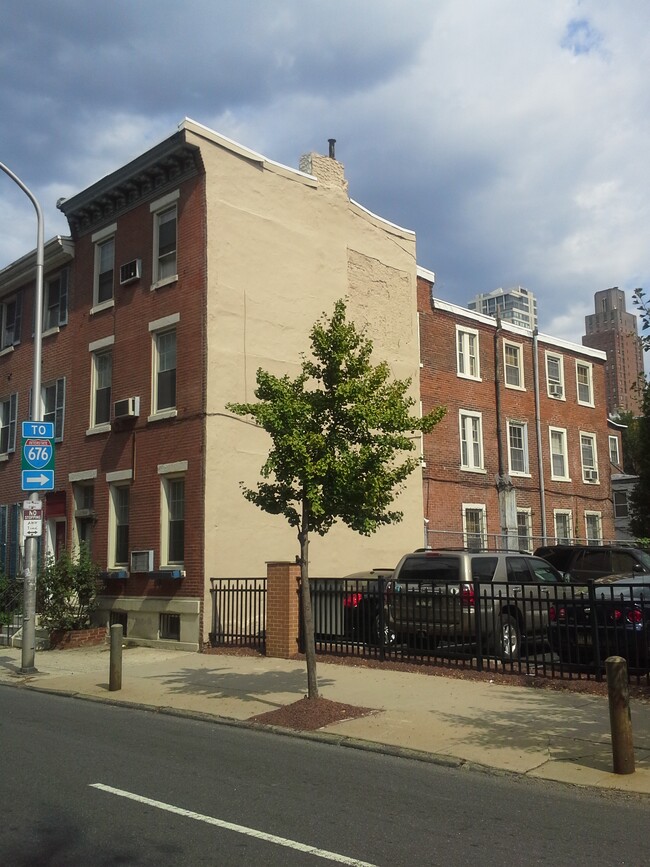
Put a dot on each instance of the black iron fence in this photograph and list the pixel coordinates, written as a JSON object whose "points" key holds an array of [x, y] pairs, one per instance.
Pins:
{"points": [[238, 612], [11, 606]]}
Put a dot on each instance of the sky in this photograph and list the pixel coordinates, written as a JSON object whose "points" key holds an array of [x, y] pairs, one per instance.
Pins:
{"points": [[512, 137]]}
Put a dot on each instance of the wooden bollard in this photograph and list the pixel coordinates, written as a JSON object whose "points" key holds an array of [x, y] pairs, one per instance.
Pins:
{"points": [[620, 717], [115, 671]]}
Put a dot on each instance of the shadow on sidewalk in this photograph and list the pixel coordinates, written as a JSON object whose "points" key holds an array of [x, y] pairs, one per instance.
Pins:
{"points": [[220, 683]]}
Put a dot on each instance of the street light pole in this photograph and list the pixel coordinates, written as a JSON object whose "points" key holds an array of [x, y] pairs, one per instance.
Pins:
{"points": [[31, 542]]}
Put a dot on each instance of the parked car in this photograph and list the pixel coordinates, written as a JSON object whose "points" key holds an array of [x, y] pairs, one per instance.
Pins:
{"points": [[350, 607], [588, 562], [613, 615], [433, 599]]}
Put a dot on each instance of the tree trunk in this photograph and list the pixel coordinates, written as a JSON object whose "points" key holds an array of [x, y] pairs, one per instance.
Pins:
{"points": [[305, 598]]}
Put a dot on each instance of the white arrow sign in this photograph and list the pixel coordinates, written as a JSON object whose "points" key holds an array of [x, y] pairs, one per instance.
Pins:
{"points": [[37, 480]]}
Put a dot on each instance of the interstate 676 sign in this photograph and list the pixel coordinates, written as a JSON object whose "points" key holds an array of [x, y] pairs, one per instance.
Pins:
{"points": [[38, 456]]}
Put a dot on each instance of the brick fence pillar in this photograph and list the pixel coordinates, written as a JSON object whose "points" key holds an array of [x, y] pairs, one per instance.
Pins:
{"points": [[282, 605]]}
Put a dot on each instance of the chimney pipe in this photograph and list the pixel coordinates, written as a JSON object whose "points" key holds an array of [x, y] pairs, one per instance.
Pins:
{"points": [[332, 142]]}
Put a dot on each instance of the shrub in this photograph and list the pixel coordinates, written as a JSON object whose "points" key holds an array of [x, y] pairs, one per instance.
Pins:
{"points": [[67, 590]]}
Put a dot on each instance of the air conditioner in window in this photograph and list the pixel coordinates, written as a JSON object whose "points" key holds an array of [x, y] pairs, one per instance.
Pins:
{"points": [[127, 408], [142, 561], [555, 389], [130, 271], [591, 475]]}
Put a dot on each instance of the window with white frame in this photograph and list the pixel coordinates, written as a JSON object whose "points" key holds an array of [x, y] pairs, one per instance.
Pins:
{"points": [[471, 440], [165, 217], [104, 271], [621, 505], [102, 376], [563, 526], [518, 447], [614, 456], [594, 528], [524, 530], [84, 513], [467, 356], [55, 301], [120, 501], [559, 457], [8, 412], [52, 405], [513, 364], [554, 375], [584, 382], [589, 457], [474, 526], [10, 318], [172, 549], [164, 370]]}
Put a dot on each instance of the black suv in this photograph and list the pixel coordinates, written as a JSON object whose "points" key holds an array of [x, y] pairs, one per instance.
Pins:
{"points": [[588, 562]]}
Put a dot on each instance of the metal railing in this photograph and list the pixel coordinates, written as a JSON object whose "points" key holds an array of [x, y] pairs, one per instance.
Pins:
{"points": [[455, 539], [11, 606], [238, 612]]}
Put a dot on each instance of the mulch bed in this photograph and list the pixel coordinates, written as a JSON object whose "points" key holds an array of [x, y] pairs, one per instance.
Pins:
{"points": [[309, 714]]}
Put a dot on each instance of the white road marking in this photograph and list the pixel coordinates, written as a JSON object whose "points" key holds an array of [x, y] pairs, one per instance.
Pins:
{"points": [[239, 829]]}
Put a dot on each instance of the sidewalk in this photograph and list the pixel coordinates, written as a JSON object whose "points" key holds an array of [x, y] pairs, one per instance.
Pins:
{"points": [[541, 733]]}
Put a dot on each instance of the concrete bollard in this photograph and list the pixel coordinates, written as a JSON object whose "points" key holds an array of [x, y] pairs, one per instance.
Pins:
{"points": [[115, 672], [620, 718]]}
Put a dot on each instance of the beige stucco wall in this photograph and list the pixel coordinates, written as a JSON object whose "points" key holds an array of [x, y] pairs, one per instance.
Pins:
{"points": [[282, 248]]}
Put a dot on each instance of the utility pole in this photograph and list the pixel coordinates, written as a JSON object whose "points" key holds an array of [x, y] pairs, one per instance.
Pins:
{"points": [[31, 542]]}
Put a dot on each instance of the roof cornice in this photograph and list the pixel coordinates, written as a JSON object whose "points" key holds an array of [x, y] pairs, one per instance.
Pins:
{"points": [[57, 252]]}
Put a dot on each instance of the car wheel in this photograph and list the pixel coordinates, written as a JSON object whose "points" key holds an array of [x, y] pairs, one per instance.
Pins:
{"points": [[388, 638], [509, 638]]}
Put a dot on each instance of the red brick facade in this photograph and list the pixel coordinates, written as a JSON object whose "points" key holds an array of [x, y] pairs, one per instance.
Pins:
{"points": [[449, 489]]}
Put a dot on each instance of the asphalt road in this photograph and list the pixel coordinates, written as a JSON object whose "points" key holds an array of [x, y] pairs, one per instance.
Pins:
{"points": [[88, 783]]}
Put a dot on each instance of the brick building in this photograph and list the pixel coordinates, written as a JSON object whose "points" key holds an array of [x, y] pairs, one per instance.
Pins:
{"points": [[188, 269], [523, 453]]}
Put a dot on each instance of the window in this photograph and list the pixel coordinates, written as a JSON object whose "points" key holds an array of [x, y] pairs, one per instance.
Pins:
{"points": [[119, 524], [621, 508], [512, 359], [474, 532], [55, 301], [467, 353], [164, 370], [524, 530], [555, 375], [84, 515], [173, 520], [102, 378], [593, 528], [104, 271], [559, 460], [563, 526], [588, 456], [10, 317], [8, 409], [53, 405], [471, 440], [165, 238], [613, 450], [518, 447], [584, 382]]}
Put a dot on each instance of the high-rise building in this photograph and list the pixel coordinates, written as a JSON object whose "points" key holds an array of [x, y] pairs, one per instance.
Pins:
{"points": [[516, 305], [612, 329]]}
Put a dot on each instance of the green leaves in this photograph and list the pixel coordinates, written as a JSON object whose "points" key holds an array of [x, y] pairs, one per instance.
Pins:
{"points": [[67, 588], [338, 431]]}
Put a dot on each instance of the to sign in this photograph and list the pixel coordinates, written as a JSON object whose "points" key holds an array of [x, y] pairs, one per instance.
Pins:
{"points": [[38, 456], [32, 518]]}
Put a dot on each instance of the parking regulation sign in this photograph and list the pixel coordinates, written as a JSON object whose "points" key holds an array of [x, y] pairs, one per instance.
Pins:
{"points": [[37, 456]]}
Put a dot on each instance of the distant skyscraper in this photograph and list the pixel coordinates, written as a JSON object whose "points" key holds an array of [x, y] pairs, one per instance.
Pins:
{"points": [[614, 331], [516, 305]]}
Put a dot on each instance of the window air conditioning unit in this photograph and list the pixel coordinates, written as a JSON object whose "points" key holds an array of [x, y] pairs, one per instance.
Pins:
{"points": [[555, 389], [130, 271], [591, 475], [127, 408], [142, 561]]}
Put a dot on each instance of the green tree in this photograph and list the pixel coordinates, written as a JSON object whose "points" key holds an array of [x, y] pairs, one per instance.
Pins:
{"points": [[338, 431], [67, 589], [640, 496], [629, 441]]}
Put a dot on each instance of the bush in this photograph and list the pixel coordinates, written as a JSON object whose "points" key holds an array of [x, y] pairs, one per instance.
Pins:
{"points": [[67, 590], [11, 596]]}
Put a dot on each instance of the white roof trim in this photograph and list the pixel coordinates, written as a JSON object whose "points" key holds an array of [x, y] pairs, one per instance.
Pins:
{"points": [[382, 219], [425, 274]]}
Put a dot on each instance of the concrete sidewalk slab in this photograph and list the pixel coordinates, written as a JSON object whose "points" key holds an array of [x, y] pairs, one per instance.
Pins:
{"points": [[546, 734]]}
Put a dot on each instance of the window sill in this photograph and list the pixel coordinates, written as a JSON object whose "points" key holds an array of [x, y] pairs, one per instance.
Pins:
{"points": [[560, 479], [468, 376], [520, 475], [586, 403], [98, 429], [165, 282], [479, 470], [556, 397], [104, 305], [4, 456], [51, 331], [515, 387], [162, 415], [7, 350]]}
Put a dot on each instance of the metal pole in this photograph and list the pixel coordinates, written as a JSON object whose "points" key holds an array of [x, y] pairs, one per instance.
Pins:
{"points": [[31, 542], [620, 719], [115, 670]]}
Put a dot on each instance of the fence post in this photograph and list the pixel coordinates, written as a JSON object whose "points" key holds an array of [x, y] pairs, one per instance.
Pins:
{"points": [[478, 618], [115, 669], [595, 637], [620, 718], [282, 609]]}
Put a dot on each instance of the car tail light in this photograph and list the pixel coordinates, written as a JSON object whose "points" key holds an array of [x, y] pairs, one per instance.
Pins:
{"points": [[616, 614], [467, 595], [552, 616], [558, 613], [634, 615], [352, 600]]}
